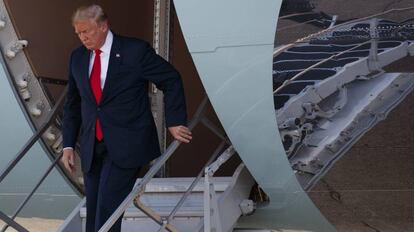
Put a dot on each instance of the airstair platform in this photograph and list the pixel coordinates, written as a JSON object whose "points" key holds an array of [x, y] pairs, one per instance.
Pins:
{"points": [[229, 200]]}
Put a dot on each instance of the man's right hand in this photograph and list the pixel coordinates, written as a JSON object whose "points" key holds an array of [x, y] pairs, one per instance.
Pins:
{"points": [[68, 160]]}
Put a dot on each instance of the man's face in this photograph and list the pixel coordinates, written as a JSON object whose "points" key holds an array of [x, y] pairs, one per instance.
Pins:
{"points": [[91, 33]]}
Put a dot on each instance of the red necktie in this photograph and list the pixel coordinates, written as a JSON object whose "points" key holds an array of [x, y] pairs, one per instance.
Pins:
{"points": [[95, 81]]}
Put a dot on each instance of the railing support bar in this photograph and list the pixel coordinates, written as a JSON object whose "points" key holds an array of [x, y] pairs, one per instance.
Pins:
{"points": [[12, 223], [33, 190], [35, 137], [154, 216], [207, 123]]}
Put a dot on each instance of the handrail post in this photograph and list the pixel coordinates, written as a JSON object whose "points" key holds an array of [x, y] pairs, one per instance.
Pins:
{"points": [[200, 174], [210, 199], [207, 200]]}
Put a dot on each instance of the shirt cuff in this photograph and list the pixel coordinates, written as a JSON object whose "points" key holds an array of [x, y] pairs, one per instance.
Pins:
{"points": [[67, 148]]}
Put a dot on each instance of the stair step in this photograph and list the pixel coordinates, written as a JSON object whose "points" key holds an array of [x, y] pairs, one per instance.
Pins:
{"points": [[163, 194], [181, 184], [163, 211]]}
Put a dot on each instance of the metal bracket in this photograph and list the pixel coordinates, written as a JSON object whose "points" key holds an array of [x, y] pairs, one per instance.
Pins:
{"points": [[247, 207], [304, 168], [373, 63], [15, 48], [312, 110]]}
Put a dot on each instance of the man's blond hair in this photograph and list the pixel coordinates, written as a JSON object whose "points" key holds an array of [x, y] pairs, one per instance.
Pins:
{"points": [[94, 12]]}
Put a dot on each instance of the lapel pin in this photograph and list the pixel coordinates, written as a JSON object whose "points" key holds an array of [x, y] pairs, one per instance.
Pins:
{"points": [[118, 55]]}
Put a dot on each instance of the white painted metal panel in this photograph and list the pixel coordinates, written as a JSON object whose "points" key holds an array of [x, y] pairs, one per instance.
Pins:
{"points": [[231, 43]]}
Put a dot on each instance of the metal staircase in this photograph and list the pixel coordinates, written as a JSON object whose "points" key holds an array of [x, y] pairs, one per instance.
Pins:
{"points": [[203, 203], [227, 196], [182, 204]]}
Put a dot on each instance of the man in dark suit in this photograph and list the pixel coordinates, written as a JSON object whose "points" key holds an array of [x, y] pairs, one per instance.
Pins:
{"points": [[108, 103]]}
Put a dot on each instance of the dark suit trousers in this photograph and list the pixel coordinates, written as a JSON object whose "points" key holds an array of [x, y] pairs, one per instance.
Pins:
{"points": [[106, 186]]}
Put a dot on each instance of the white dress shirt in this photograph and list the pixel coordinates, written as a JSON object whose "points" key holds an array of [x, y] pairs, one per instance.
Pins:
{"points": [[105, 53]]}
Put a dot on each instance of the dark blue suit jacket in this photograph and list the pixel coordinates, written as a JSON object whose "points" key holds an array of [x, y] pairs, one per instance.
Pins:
{"points": [[124, 111]]}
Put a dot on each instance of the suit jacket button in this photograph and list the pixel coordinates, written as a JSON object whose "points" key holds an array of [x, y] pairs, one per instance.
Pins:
{"points": [[99, 109]]}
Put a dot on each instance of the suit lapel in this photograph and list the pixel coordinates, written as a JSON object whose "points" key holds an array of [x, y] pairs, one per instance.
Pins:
{"points": [[85, 73], [113, 66]]}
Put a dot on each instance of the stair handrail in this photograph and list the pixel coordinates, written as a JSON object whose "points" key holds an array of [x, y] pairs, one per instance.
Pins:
{"points": [[35, 137], [165, 222], [29, 196], [10, 221], [140, 187]]}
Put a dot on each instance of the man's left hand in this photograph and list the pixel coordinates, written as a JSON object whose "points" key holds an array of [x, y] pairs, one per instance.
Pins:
{"points": [[181, 133]]}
